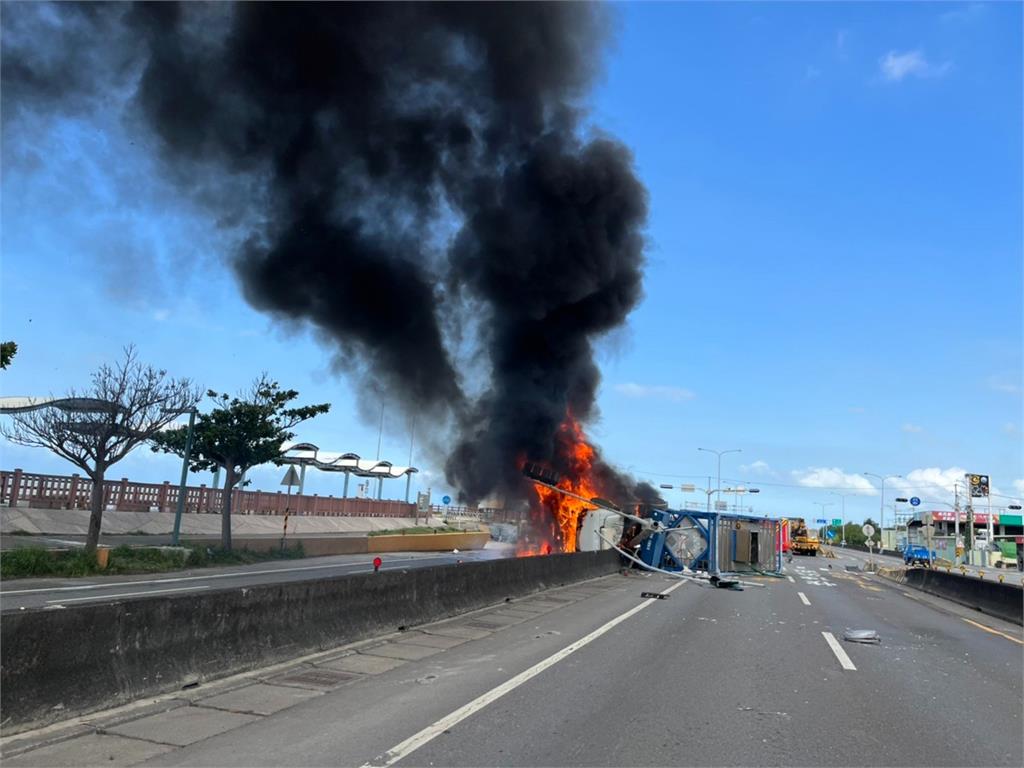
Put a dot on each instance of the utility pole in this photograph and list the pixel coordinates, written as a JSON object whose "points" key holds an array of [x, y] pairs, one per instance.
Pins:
{"points": [[970, 519], [956, 522]]}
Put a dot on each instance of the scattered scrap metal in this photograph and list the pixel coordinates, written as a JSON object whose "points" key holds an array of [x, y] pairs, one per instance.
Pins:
{"points": [[866, 636]]}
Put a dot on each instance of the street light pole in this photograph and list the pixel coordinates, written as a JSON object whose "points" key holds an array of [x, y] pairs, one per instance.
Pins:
{"points": [[824, 504], [184, 478], [718, 487], [881, 506], [842, 533]]}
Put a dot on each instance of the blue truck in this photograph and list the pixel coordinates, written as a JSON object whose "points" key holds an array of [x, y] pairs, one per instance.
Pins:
{"points": [[917, 553]]}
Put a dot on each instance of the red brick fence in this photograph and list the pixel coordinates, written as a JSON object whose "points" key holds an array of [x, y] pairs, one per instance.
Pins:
{"points": [[24, 489]]}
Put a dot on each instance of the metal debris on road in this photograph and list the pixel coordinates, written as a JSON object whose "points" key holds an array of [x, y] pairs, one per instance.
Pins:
{"points": [[867, 636], [654, 595]]}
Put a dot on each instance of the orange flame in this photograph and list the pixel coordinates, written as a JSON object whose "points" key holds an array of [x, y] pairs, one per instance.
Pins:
{"points": [[565, 511]]}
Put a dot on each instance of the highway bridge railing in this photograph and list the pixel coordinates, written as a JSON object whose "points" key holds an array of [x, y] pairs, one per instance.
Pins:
{"points": [[20, 488]]}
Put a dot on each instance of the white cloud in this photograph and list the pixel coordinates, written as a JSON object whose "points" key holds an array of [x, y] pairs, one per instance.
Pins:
{"points": [[1011, 429], [908, 427], [972, 12], [675, 394], [1018, 486], [998, 384], [756, 468], [833, 477], [161, 314], [857, 409], [896, 66], [929, 482]]}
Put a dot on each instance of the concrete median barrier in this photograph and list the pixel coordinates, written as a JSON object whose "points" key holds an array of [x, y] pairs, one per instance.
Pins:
{"points": [[1004, 601], [57, 663]]}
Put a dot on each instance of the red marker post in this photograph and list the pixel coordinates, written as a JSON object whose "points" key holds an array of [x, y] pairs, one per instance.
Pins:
{"points": [[377, 563]]}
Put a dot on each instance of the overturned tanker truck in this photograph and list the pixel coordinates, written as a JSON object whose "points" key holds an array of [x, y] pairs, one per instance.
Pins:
{"points": [[710, 547]]}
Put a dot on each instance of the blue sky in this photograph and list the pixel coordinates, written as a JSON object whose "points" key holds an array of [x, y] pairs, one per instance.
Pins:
{"points": [[834, 280]]}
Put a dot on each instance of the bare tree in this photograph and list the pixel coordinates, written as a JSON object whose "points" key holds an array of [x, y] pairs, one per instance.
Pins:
{"points": [[126, 404]]}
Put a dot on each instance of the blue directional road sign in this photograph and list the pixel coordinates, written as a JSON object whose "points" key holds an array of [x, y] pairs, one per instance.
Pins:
{"points": [[914, 501], [830, 534], [446, 499], [821, 521]]}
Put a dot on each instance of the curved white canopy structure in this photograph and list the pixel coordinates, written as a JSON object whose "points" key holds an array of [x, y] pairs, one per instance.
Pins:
{"points": [[330, 461], [74, 404]]}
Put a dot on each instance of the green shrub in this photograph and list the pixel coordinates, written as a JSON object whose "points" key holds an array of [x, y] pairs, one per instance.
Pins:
{"points": [[26, 561], [36, 561], [204, 556]]}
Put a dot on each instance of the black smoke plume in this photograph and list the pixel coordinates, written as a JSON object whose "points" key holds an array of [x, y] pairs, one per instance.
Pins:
{"points": [[414, 174]]}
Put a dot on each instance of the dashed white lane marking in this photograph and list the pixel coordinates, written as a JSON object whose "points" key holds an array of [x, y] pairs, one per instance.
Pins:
{"points": [[837, 649], [431, 732], [791, 579], [126, 594], [803, 598]]}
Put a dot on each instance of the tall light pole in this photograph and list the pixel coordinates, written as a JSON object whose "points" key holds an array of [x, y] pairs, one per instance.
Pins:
{"points": [[184, 474], [881, 504], [842, 533], [719, 454]]}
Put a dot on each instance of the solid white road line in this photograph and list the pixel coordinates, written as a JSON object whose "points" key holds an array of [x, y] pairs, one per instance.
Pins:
{"points": [[128, 594], [837, 649], [803, 598], [791, 579], [428, 734], [233, 574]]}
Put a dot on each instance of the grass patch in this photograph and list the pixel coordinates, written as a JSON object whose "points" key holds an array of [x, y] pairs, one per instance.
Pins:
{"points": [[204, 557], [27, 562], [417, 529], [35, 561]]}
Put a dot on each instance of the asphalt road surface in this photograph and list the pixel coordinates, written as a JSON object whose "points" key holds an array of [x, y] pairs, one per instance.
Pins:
{"points": [[596, 675], [28, 593]]}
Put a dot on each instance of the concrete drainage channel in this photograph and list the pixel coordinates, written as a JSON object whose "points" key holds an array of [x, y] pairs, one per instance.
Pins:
{"points": [[60, 664]]}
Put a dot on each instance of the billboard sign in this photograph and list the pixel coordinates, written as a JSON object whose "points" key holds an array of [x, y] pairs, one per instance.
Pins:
{"points": [[978, 485], [948, 517]]}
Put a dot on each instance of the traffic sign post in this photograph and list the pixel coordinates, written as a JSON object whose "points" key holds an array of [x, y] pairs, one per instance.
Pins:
{"points": [[914, 501]]}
